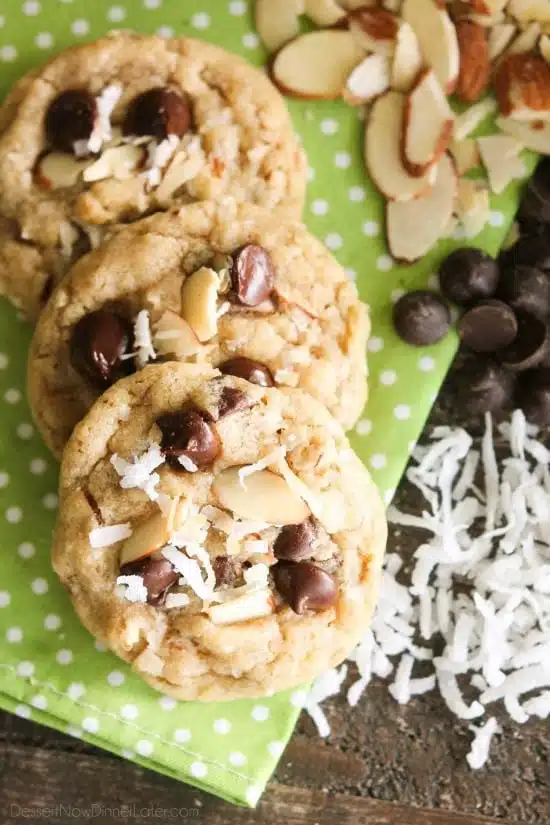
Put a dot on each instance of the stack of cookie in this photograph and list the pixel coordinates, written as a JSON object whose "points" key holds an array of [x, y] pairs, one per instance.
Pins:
{"points": [[196, 359]]}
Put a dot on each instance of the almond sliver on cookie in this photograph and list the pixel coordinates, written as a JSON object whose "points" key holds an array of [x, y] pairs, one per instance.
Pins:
{"points": [[149, 536], [265, 496], [242, 609], [173, 336], [119, 162], [58, 170], [199, 302]]}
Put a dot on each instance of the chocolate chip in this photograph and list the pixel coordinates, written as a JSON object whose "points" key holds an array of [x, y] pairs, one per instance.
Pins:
{"points": [[530, 345], [421, 318], [526, 288], [534, 396], [305, 586], [158, 576], [252, 274], [98, 342], [227, 571], [488, 327], [158, 112], [188, 433], [485, 386], [232, 400], [294, 541], [535, 203], [250, 370], [529, 250], [70, 117], [468, 275]]}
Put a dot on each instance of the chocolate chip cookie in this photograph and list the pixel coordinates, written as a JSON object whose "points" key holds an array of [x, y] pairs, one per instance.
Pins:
{"points": [[222, 284], [219, 535], [110, 131]]}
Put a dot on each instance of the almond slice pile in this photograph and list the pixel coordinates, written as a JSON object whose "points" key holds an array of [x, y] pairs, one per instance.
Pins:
{"points": [[402, 60]]}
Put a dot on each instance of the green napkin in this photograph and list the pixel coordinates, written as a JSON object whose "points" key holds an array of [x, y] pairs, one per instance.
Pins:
{"points": [[50, 669]]}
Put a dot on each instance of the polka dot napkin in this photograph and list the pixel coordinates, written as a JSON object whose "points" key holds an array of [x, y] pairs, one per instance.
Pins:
{"points": [[50, 669]]}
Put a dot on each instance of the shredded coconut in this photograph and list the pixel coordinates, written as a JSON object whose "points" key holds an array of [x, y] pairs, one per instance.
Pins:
{"points": [[187, 464], [158, 156], [143, 339], [131, 588], [107, 536], [106, 102], [139, 472], [191, 574], [176, 600]]}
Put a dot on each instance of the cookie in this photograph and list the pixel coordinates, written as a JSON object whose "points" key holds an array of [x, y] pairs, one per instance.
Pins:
{"points": [[220, 284], [220, 536], [109, 131]]}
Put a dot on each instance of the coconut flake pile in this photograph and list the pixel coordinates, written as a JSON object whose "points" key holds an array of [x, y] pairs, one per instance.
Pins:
{"points": [[480, 581]]}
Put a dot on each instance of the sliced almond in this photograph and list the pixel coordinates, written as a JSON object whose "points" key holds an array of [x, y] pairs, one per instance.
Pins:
{"points": [[414, 228], [527, 40], [544, 47], [265, 497], [437, 38], [323, 12], [277, 23], [472, 117], [182, 168], [428, 125], [383, 150], [374, 29], [535, 136], [119, 162], [149, 536], [316, 65], [500, 37], [173, 336], [472, 206], [407, 59], [522, 86], [58, 170], [392, 5], [199, 302], [368, 80], [244, 608], [351, 5], [527, 10], [500, 157], [465, 154]]}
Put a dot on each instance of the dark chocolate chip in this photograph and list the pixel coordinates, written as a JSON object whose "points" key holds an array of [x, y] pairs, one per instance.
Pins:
{"points": [[488, 327], [485, 386], [529, 250], [70, 117], [252, 275], [468, 275], [188, 433], [421, 318], [530, 345], [294, 541], [227, 571], [250, 370], [158, 576], [98, 342], [535, 203], [232, 400], [533, 396], [158, 112], [527, 289], [305, 586]]}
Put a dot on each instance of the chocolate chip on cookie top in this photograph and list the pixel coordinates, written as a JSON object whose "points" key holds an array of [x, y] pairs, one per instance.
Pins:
{"points": [[305, 586], [250, 370], [188, 440], [70, 118], [100, 345], [157, 113]]}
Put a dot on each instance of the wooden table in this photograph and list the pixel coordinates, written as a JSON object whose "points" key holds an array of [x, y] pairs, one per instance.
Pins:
{"points": [[383, 764]]}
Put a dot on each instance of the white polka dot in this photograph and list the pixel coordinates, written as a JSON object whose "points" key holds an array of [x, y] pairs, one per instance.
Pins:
{"points": [[4, 360], [334, 241], [371, 228], [198, 769], [388, 377], [90, 724], [250, 40], [237, 8], [23, 711], [5, 598], [182, 735], [38, 466], [115, 678], [64, 657], [319, 207], [342, 160], [165, 31], [237, 759], [253, 793], [2, 21], [378, 461], [275, 749], [25, 669], [384, 263], [26, 550], [298, 698], [363, 426], [14, 515], [115, 14], [402, 412], [144, 747], [99, 646], [388, 496], [39, 586], [127, 753], [375, 344], [351, 273], [12, 396], [39, 702], [167, 703], [44, 40], [260, 713], [80, 27], [76, 690], [25, 430], [426, 363], [496, 219], [129, 711], [152, 4], [329, 126], [31, 8], [14, 635], [222, 726], [4, 480], [73, 730], [201, 20], [52, 622], [8, 53], [356, 194], [50, 501], [310, 173]]}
